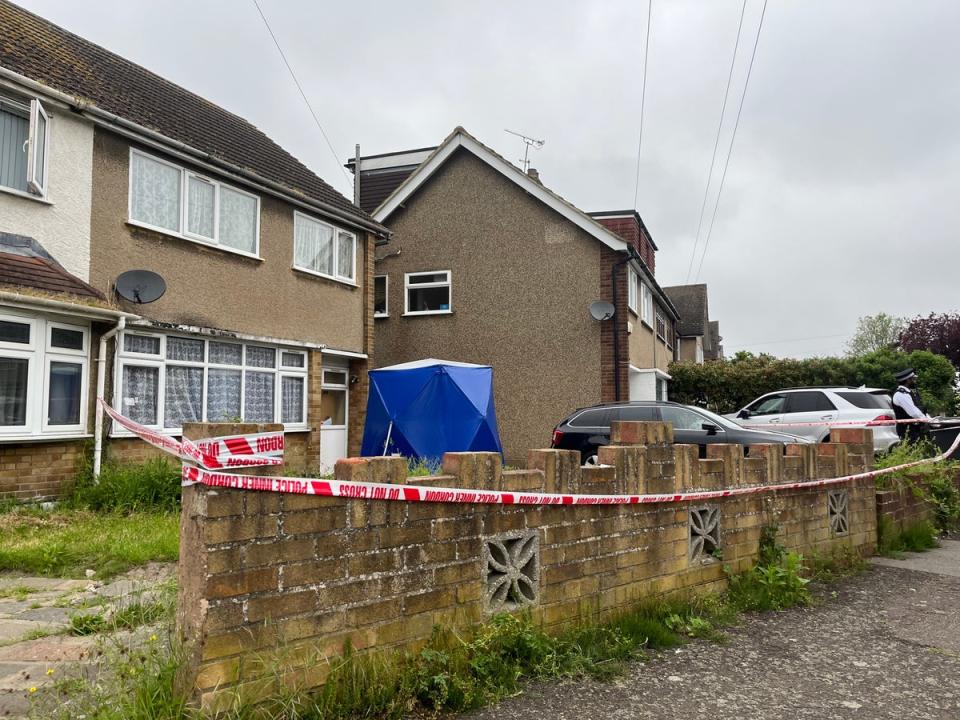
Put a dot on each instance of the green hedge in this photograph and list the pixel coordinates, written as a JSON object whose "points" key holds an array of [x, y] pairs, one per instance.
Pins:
{"points": [[728, 385]]}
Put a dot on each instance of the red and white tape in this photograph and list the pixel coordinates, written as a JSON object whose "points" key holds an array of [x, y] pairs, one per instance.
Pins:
{"points": [[839, 423], [192, 475], [254, 450], [417, 493]]}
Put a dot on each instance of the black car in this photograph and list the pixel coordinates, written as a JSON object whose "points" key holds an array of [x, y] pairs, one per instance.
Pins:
{"points": [[588, 428]]}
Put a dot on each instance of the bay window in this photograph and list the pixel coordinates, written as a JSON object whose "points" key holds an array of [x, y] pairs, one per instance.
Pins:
{"points": [[167, 380], [323, 249], [43, 377], [171, 199]]}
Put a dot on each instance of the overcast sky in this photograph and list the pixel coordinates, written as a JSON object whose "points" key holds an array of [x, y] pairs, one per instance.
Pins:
{"points": [[841, 198]]}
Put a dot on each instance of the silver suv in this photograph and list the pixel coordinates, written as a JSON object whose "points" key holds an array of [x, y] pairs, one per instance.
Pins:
{"points": [[817, 405]]}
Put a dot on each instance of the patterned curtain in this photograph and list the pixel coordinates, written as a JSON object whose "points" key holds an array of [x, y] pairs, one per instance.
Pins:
{"points": [[200, 204], [183, 396], [313, 246], [156, 193], [291, 400], [238, 220], [223, 394], [140, 391], [258, 397]]}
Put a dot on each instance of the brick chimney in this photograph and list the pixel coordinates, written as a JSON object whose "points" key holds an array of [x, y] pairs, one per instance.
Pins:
{"points": [[534, 173], [628, 225]]}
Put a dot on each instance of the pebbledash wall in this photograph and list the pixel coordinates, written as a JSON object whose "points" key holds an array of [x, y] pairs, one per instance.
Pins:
{"points": [[272, 583]]}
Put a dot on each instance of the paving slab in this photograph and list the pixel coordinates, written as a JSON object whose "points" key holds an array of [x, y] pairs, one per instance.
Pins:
{"points": [[944, 560]]}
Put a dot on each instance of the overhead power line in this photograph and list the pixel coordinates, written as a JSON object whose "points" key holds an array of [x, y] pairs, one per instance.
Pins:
{"points": [[643, 98], [302, 93], [742, 346], [733, 137], [716, 143]]}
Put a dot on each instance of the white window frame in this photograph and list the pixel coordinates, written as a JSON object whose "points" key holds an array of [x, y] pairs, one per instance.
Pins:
{"points": [[661, 323], [448, 283], [632, 285], [182, 231], [39, 353], [337, 276], [338, 387], [646, 305], [126, 358], [37, 111], [32, 112], [386, 296]]}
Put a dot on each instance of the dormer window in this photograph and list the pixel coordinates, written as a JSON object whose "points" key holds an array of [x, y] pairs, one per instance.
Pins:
{"points": [[24, 145]]}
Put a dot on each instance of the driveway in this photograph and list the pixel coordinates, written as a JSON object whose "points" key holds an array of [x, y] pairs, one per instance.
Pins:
{"points": [[885, 644]]}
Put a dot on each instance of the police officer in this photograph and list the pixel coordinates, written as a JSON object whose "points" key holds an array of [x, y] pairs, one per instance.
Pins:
{"points": [[907, 406]]}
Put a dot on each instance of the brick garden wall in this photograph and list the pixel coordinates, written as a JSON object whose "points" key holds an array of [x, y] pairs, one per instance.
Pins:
{"points": [[903, 506], [271, 584]]}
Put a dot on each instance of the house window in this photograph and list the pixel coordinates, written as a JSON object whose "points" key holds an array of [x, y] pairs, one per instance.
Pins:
{"points": [[661, 327], [633, 283], [166, 380], [168, 198], [646, 304], [24, 146], [427, 293], [43, 377], [381, 298], [333, 399], [322, 249]]}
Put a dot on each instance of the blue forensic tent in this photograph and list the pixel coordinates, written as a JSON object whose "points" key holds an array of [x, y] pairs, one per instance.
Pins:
{"points": [[425, 408]]}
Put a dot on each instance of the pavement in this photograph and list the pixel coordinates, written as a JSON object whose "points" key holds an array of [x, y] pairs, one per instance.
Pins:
{"points": [[885, 644], [36, 648]]}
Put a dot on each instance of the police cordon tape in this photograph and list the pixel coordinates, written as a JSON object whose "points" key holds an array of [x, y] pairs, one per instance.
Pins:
{"points": [[193, 475], [253, 450], [843, 423]]}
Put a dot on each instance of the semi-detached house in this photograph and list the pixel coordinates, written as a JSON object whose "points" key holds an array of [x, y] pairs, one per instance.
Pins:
{"points": [[106, 167], [487, 265]]}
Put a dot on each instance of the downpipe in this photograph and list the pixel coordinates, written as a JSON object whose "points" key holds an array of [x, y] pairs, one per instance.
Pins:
{"points": [[101, 386], [631, 255]]}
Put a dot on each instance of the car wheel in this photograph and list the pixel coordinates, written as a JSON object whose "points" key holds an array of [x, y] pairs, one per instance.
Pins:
{"points": [[590, 460]]}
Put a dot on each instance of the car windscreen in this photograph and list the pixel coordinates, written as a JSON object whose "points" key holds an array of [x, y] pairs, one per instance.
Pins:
{"points": [[865, 400], [597, 417]]}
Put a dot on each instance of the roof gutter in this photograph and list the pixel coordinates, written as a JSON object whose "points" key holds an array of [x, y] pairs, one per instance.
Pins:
{"points": [[63, 306], [153, 138]]}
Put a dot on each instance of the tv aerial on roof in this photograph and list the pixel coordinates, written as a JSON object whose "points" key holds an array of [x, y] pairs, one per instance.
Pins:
{"points": [[140, 286], [602, 310], [529, 142]]}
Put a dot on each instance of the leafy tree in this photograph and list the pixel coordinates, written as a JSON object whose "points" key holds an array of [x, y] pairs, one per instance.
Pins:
{"points": [[937, 333], [875, 332]]}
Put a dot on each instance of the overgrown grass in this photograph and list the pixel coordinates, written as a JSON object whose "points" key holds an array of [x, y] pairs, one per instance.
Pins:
{"points": [[892, 542], [152, 485], [935, 483], [67, 543]]}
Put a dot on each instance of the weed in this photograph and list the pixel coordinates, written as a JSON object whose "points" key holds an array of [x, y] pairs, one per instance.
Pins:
{"points": [[153, 485], [891, 541], [776, 582], [840, 562], [935, 482], [17, 592], [423, 467], [126, 618]]}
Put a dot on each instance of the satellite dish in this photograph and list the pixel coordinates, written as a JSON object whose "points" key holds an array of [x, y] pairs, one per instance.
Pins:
{"points": [[601, 310], [140, 286]]}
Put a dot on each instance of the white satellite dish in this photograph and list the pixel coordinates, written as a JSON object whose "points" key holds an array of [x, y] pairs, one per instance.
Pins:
{"points": [[602, 310]]}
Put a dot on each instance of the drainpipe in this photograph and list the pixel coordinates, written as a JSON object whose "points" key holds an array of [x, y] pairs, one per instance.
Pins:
{"points": [[101, 385], [631, 255]]}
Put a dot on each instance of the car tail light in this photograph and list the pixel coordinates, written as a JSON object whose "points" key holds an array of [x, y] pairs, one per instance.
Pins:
{"points": [[880, 420], [557, 437]]}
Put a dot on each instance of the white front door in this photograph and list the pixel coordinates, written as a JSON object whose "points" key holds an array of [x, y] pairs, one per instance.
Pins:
{"points": [[334, 414]]}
